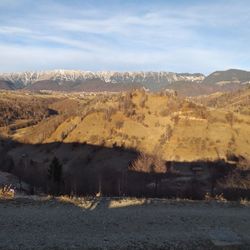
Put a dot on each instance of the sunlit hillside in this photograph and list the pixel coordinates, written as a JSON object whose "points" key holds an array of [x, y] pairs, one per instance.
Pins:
{"points": [[162, 123]]}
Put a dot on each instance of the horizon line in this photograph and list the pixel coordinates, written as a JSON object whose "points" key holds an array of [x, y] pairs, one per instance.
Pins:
{"points": [[116, 71]]}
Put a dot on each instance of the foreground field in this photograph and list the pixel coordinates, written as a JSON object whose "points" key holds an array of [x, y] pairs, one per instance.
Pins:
{"points": [[104, 223]]}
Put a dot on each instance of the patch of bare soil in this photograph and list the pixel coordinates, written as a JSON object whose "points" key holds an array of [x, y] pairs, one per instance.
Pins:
{"points": [[114, 223]]}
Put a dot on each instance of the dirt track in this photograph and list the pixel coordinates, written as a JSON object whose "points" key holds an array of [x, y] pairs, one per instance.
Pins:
{"points": [[123, 224]]}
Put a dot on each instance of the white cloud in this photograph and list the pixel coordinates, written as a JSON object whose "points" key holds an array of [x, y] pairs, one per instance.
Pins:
{"points": [[14, 30], [19, 58], [199, 37]]}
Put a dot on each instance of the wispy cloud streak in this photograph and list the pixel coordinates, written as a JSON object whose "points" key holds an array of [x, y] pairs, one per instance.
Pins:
{"points": [[160, 36]]}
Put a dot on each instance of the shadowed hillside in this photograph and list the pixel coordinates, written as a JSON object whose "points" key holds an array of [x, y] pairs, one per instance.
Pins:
{"points": [[91, 170]]}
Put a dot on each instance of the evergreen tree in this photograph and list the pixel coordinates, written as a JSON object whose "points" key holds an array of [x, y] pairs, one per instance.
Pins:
{"points": [[55, 174]]}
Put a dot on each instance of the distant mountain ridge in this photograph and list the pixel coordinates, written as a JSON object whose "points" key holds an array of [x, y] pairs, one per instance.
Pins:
{"points": [[61, 77], [228, 76], [77, 80]]}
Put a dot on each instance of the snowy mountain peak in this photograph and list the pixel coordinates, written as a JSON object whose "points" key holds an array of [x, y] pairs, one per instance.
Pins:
{"points": [[28, 78]]}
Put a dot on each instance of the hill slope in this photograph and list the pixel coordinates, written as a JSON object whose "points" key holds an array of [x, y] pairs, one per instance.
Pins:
{"points": [[123, 142], [237, 101], [175, 128], [231, 76]]}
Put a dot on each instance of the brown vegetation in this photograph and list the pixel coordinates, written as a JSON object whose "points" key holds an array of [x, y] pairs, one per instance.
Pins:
{"points": [[97, 138]]}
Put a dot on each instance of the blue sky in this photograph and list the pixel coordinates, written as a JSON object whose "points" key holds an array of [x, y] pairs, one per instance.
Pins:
{"points": [[132, 35]]}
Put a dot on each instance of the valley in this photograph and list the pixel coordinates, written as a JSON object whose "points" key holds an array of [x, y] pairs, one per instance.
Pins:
{"points": [[161, 143]]}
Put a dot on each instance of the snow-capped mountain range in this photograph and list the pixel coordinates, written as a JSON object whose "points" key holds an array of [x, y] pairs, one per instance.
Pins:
{"points": [[28, 78], [75, 80]]}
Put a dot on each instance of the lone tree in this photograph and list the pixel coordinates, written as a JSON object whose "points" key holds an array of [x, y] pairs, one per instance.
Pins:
{"points": [[55, 175]]}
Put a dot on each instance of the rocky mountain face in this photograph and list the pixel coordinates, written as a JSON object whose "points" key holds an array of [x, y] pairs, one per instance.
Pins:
{"points": [[27, 78], [75, 80], [61, 79]]}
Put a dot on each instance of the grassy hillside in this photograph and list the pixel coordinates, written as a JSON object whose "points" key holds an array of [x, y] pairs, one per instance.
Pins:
{"points": [[98, 137], [236, 101], [162, 123]]}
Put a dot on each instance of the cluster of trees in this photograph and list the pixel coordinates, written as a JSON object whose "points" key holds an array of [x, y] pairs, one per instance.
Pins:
{"points": [[126, 104], [144, 175], [12, 109], [238, 101]]}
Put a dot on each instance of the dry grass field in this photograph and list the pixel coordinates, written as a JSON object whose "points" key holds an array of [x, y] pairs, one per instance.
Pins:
{"points": [[175, 128]]}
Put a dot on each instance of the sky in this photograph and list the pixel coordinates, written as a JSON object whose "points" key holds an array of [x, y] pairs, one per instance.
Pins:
{"points": [[129, 35]]}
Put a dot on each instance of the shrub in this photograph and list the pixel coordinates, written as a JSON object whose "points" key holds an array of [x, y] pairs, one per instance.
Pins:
{"points": [[230, 118], [94, 138], [6, 192], [119, 124], [167, 135], [175, 119], [148, 164], [63, 136], [165, 112], [108, 113], [140, 118], [126, 105], [143, 100]]}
